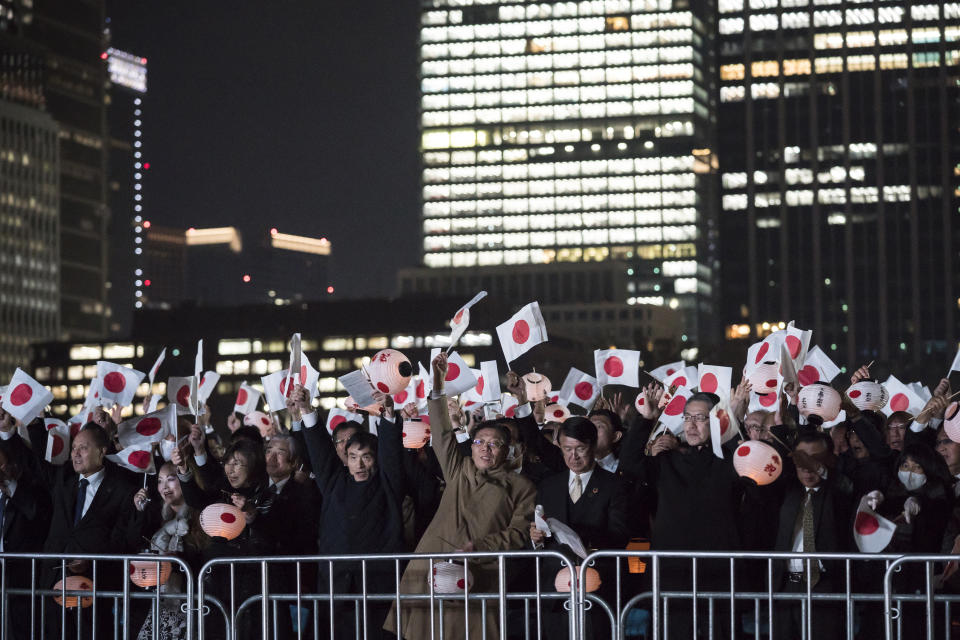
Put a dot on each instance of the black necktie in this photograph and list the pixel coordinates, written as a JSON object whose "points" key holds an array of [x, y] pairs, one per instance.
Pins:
{"points": [[81, 499]]}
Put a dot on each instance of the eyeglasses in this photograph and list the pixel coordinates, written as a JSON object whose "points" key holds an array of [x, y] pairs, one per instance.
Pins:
{"points": [[235, 463], [492, 445], [699, 419], [944, 441], [759, 428]]}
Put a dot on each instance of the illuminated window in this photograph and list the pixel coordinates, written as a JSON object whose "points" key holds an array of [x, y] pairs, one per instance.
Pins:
{"points": [[827, 18], [731, 25], [893, 61], [85, 352], [764, 22], [862, 63], [861, 15], [764, 90], [925, 12], [829, 65], [731, 72], [732, 94], [860, 39], [891, 37], [735, 202], [889, 15], [795, 20], [118, 351], [233, 347], [764, 68], [800, 67]]}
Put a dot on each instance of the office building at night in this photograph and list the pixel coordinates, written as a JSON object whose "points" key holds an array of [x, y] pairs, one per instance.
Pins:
{"points": [[840, 159], [574, 132]]}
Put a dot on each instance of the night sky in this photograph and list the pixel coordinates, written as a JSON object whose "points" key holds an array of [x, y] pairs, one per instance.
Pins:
{"points": [[296, 115]]}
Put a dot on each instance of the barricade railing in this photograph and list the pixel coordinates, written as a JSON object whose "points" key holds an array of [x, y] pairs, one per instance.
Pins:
{"points": [[60, 588], [498, 593], [923, 575]]}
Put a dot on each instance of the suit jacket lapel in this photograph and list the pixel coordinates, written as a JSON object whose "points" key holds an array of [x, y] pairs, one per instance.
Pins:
{"points": [[102, 495]]}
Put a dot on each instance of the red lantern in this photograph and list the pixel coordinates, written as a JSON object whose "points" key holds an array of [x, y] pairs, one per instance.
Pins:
{"points": [[562, 583], [538, 386], [222, 521], [390, 371], [74, 583], [143, 573], [448, 577], [758, 461]]}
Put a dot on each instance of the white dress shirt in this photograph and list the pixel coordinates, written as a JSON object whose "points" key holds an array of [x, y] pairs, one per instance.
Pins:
{"points": [[95, 479], [584, 481], [797, 565], [609, 462]]}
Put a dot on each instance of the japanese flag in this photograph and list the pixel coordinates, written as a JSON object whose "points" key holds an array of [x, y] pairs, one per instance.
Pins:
{"points": [[767, 401], [198, 361], [153, 427], [208, 382], [797, 342], [617, 366], [338, 416], [723, 426], [247, 399], [308, 376], [117, 383], [489, 382], [58, 441], [25, 398], [955, 366], [137, 458], [672, 416], [817, 367], [715, 379], [509, 404], [93, 395], [526, 329], [473, 397], [76, 422], [922, 391], [459, 376], [276, 390], [408, 395], [424, 385], [766, 351], [461, 319], [182, 393], [871, 531], [156, 366], [667, 370], [686, 377], [579, 388], [902, 398]]}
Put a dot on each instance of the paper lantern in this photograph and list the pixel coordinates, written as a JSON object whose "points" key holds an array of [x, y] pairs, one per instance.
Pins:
{"points": [[538, 386], [868, 395], [951, 421], [562, 583], [222, 521], [143, 573], [415, 434], [376, 408], [261, 421], [448, 577], [556, 413], [74, 583], [758, 461], [390, 371], [820, 400], [763, 380]]}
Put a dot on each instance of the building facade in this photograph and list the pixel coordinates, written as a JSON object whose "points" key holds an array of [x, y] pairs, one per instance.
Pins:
{"points": [[574, 132], [840, 159]]}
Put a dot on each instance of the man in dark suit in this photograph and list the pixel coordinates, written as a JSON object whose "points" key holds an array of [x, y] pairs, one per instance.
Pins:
{"points": [[592, 502], [92, 504], [814, 518]]}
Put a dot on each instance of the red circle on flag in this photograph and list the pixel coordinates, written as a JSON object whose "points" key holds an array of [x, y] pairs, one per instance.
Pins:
{"points": [[183, 395], [114, 382], [675, 407], [203, 379], [762, 352], [670, 372], [680, 381], [856, 393], [457, 318], [480, 385], [453, 372], [510, 411], [808, 375], [613, 367], [772, 383], [793, 346], [899, 402], [584, 390], [724, 421], [866, 524], [242, 396], [401, 397], [57, 445], [521, 331], [768, 399], [21, 394], [558, 413], [139, 459], [708, 383], [743, 450], [336, 420], [383, 387], [303, 374], [149, 426], [421, 389], [229, 518]]}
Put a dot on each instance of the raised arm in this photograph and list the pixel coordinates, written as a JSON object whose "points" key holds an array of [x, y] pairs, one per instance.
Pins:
{"points": [[444, 439], [322, 453], [390, 447]]}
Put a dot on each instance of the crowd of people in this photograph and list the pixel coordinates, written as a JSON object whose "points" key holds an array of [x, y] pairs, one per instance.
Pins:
{"points": [[612, 475]]}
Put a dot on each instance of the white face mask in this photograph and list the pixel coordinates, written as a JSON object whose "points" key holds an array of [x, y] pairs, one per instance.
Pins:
{"points": [[912, 481]]}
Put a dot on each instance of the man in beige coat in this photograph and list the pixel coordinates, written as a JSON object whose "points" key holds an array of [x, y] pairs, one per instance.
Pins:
{"points": [[485, 507]]}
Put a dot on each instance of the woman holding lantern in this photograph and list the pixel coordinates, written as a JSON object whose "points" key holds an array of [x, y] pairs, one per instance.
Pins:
{"points": [[485, 507]]}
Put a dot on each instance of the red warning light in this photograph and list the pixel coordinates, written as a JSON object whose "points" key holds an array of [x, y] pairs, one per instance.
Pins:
{"points": [[146, 224], [143, 61], [246, 277], [146, 283], [103, 56], [273, 231], [146, 165], [329, 289]]}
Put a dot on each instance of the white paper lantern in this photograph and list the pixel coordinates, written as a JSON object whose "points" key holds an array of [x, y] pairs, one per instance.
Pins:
{"points": [[415, 434], [143, 573], [448, 577], [221, 520], [819, 400], [758, 461], [74, 583], [763, 380], [261, 421], [390, 371], [868, 395], [350, 405], [951, 421], [556, 413], [538, 386], [562, 583]]}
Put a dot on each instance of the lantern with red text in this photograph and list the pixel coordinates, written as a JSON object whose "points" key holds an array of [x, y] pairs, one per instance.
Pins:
{"points": [[758, 461], [390, 371], [222, 521], [819, 399], [451, 577], [868, 395], [149, 573], [562, 583], [74, 583], [538, 386]]}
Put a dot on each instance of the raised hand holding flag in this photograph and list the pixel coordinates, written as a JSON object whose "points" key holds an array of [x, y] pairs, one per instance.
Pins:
{"points": [[525, 330], [461, 320]]}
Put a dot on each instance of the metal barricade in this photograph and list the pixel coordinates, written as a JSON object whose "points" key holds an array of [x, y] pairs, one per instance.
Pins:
{"points": [[104, 584], [509, 600], [920, 577]]}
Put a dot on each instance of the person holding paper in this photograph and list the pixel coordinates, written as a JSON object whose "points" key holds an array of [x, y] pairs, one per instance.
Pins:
{"points": [[485, 507]]}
